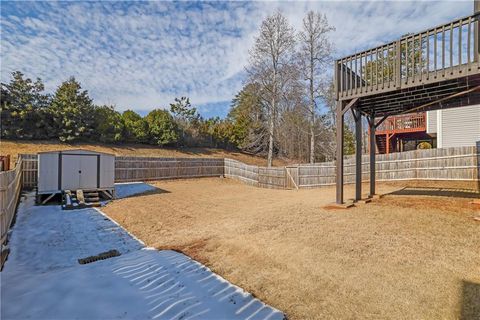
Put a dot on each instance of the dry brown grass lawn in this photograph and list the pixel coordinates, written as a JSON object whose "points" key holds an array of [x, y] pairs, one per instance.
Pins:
{"points": [[397, 258], [16, 147]]}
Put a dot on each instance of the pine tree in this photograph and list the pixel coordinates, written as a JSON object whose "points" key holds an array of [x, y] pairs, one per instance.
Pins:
{"points": [[73, 112], [24, 113], [187, 119], [247, 118]]}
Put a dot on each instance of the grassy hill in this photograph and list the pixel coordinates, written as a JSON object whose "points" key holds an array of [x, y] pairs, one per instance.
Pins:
{"points": [[16, 147]]}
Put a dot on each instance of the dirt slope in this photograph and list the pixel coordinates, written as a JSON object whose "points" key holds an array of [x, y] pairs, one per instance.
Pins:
{"points": [[15, 147]]}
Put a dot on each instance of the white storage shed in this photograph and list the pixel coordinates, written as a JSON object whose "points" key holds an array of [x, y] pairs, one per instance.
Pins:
{"points": [[75, 170]]}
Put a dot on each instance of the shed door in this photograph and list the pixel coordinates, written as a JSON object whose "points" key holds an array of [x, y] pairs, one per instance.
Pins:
{"points": [[79, 172], [88, 175], [70, 172]]}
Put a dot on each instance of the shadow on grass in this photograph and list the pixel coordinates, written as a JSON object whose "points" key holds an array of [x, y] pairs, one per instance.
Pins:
{"points": [[136, 189], [437, 192], [150, 192], [470, 301]]}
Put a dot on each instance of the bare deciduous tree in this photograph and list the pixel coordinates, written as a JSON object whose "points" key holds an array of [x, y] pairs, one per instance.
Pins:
{"points": [[330, 118], [314, 58], [270, 67], [328, 95]]}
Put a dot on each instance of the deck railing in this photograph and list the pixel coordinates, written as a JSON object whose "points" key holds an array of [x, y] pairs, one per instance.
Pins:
{"points": [[445, 52], [404, 123]]}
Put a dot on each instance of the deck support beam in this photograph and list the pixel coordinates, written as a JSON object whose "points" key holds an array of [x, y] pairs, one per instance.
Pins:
{"points": [[339, 153], [350, 105], [389, 137], [439, 101]]}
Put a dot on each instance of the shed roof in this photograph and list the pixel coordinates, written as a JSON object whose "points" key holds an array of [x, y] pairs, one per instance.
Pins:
{"points": [[80, 151]]}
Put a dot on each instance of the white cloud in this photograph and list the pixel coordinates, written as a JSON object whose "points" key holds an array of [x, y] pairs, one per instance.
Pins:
{"points": [[142, 55]]}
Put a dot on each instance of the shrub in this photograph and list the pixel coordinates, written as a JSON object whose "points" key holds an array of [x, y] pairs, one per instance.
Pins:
{"points": [[108, 124], [162, 128]]}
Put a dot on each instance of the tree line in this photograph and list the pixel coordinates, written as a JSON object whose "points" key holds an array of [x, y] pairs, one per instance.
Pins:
{"points": [[70, 115], [286, 107]]}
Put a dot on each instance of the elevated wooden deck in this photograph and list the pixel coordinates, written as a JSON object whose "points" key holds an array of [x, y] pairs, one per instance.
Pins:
{"points": [[437, 68], [407, 123], [415, 71], [394, 130]]}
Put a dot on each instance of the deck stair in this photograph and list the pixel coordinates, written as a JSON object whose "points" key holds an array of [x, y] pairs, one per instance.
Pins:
{"points": [[80, 199], [381, 144], [91, 196]]}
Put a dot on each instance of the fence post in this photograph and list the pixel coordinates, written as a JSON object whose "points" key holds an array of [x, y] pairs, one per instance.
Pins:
{"points": [[223, 167], [415, 163], [298, 176], [177, 164]]}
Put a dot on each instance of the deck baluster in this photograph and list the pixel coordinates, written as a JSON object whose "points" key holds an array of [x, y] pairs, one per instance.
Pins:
{"points": [[413, 60], [451, 48], [428, 55], [469, 37], [435, 53], [443, 50], [398, 64], [460, 25]]}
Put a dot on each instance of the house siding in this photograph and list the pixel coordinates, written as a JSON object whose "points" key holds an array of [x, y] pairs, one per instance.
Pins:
{"points": [[459, 126], [432, 121]]}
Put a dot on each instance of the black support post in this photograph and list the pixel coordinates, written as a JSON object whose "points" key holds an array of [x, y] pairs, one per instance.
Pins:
{"points": [[371, 122], [358, 154], [339, 153]]}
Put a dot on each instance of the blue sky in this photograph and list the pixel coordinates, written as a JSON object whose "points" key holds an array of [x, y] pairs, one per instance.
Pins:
{"points": [[141, 55]]}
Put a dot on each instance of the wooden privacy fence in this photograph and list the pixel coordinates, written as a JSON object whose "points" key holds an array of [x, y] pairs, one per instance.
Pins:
{"points": [[141, 168], [240, 171], [153, 168], [460, 164], [256, 176], [290, 177], [454, 164], [29, 170], [457, 164], [10, 187]]}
